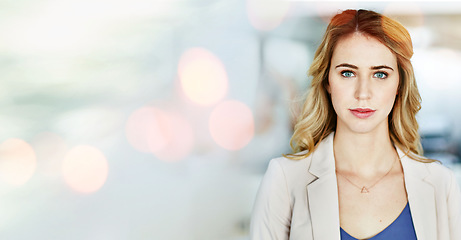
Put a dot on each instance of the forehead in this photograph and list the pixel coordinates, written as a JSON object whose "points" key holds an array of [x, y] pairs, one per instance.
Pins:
{"points": [[362, 51]]}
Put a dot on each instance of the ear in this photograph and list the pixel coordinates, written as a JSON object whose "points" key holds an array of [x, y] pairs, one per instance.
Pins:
{"points": [[326, 83], [327, 87]]}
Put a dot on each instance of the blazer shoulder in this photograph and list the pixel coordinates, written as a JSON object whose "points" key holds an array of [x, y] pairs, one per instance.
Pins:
{"points": [[293, 164], [438, 169], [440, 175], [294, 171], [433, 168]]}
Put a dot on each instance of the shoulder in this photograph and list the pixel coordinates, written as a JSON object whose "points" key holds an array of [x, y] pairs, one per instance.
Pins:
{"points": [[292, 166], [424, 168], [292, 171], [282, 177], [441, 174], [438, 169], [289, 163], [438, 174]]}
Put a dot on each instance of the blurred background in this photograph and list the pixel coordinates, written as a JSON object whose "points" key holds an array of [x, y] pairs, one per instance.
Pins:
{"points": [[156, 119]]}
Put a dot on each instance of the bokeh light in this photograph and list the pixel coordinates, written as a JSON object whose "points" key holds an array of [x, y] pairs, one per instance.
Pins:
{"points": [[85, 169], [180, 141], [232, 125], [147, 129], [203, 76], [267, 15], [17, 161], [168, 136]]}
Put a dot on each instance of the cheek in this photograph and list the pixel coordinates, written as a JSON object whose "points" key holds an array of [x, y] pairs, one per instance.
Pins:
{"points": [[340, 92], [337, 97], [389, 98]]}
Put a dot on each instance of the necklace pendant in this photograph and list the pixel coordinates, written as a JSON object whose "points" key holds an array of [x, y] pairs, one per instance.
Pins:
{"points": [[364, 190]]}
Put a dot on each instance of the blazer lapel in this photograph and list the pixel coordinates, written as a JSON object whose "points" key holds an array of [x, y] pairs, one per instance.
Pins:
{"points": [[420, 197], [322, 193]]}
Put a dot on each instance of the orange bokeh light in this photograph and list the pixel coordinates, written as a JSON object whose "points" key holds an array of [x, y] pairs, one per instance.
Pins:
{"points": [[17, 161], [267, 15], [85, 169], [231, 125], [203, 76], [146, 129]]}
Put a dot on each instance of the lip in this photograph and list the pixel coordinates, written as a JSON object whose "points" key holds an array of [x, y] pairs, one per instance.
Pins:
{"points": [[362, 112]]}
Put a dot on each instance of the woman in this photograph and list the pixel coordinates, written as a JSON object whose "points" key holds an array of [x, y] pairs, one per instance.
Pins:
{"points": [[357, 171]]}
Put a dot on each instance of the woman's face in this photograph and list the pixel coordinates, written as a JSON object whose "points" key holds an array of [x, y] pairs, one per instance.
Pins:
{"points": [[363, 81]]}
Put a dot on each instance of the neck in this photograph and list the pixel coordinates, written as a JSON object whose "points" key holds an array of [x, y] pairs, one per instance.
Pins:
{"points": [[363, 153]]}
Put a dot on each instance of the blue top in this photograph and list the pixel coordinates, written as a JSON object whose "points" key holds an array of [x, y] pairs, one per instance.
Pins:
{"points": [[401, 229]]}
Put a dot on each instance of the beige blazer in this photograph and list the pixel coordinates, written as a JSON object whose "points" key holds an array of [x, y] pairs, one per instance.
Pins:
{"points": [[298, 200]]}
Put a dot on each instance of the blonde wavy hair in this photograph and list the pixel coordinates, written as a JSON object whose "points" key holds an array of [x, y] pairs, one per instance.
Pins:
{"points": [[318, 118]]}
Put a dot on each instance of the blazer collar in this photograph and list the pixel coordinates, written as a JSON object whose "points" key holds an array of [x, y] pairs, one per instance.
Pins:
{"points": [[322, 194], [323, 159], [421, 196]]}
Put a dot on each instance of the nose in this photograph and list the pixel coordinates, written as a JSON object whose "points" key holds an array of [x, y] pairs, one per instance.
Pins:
{"points": [[363, 89]]}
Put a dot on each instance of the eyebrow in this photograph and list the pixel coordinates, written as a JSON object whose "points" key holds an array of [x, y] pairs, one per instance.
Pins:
{"points": [[347, 65], [372, 68], [380, 67]]}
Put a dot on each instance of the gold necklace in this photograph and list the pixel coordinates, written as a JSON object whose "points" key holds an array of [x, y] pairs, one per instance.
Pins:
{"points": [[365, 189]]}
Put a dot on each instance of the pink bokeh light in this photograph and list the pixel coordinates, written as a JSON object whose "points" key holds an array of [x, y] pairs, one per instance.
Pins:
{"points": [[147, 129], [167, 135], [231, 125], [181, 139]]}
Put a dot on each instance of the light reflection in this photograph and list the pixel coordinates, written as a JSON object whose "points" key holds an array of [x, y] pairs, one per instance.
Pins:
{"points": [[17, 161], [180, 142], [49, 29], [203, 76], [267, 15], [231, 125], [85, 169], [167, 135], [73, 26], [147, 129]]}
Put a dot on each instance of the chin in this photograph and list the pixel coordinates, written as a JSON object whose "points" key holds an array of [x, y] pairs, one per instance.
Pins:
{"points": [[365, 128]]}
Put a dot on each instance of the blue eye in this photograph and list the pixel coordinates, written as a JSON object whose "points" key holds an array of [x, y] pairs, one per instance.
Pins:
{"points": [[347, 74], [380, 75]]}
